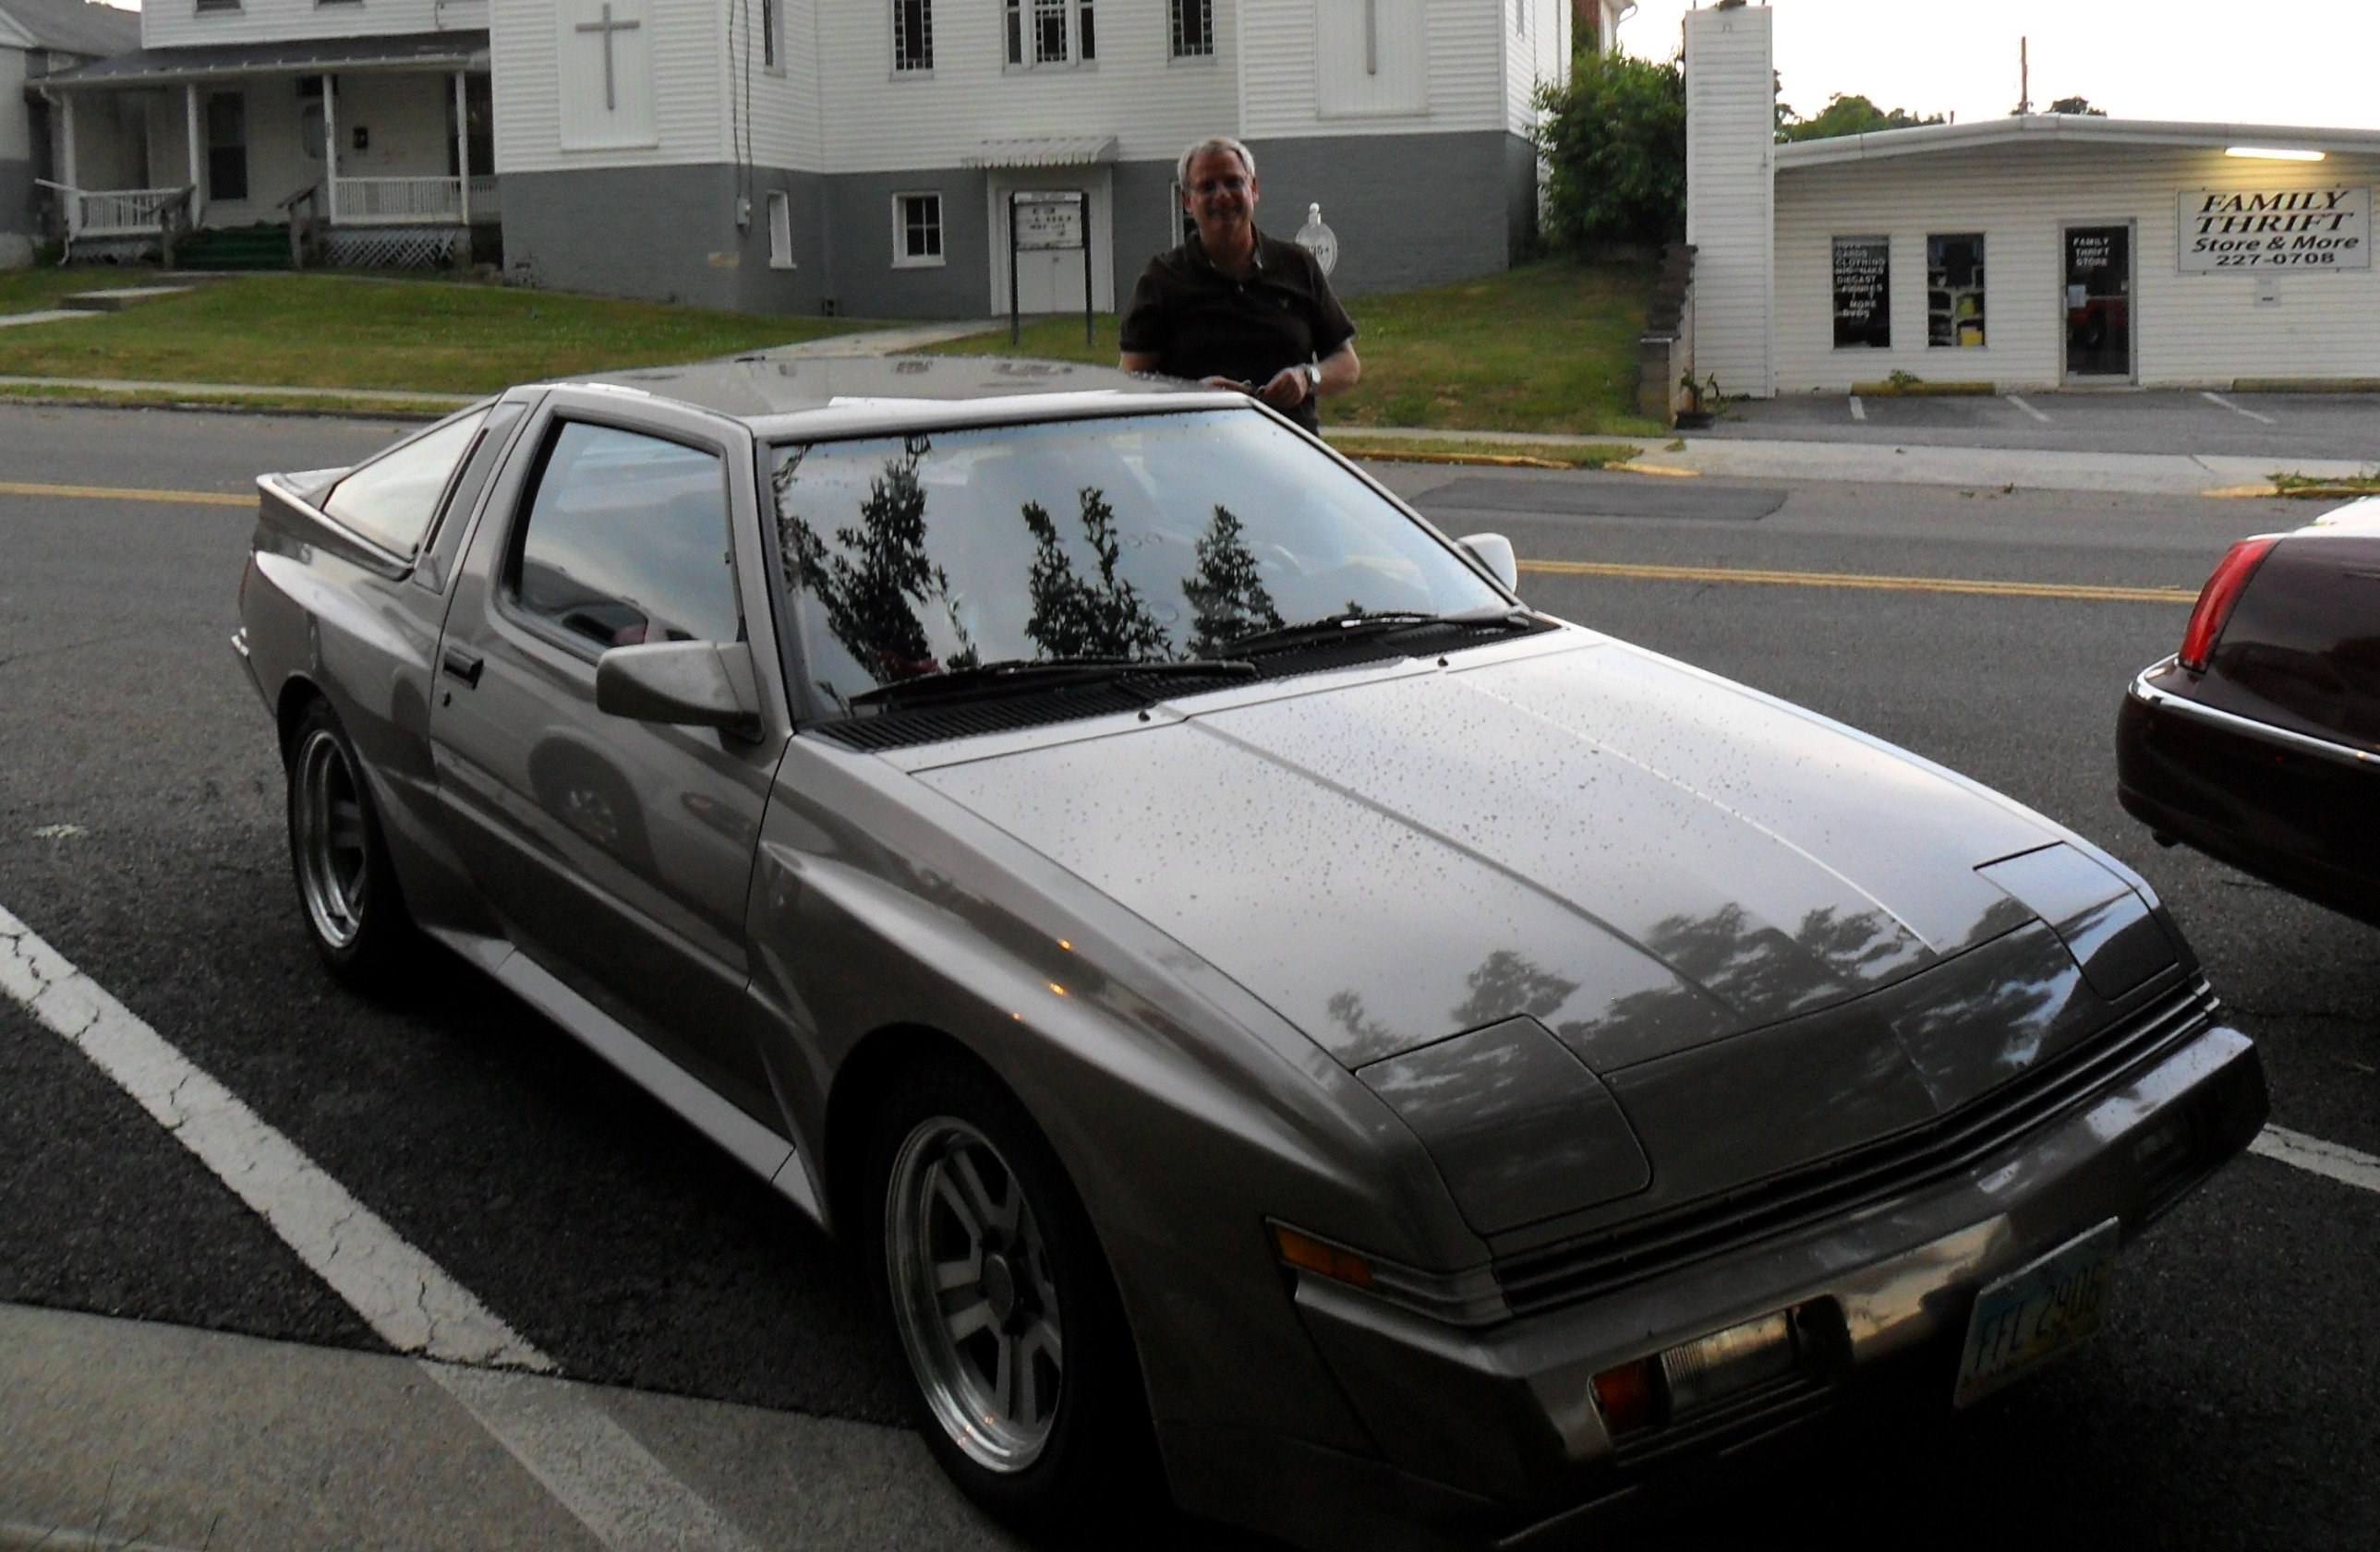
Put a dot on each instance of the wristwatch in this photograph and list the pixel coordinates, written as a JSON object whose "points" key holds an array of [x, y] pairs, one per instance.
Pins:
{"points": [[1313, 379]]}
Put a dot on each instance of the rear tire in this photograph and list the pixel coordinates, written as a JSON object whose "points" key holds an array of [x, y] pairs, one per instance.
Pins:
{"points": [[1023, 1370], [347, 890]]}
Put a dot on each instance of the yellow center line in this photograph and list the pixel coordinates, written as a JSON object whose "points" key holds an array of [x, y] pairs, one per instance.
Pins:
{"points": [[127, 492], [1867, 579]]}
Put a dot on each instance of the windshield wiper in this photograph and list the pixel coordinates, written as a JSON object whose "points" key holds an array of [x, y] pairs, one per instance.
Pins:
{"points": [[1016, 676], [1357, 623]]}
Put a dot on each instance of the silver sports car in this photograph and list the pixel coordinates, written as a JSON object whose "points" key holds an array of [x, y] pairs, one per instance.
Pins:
{"points": [[1268, 1007]]}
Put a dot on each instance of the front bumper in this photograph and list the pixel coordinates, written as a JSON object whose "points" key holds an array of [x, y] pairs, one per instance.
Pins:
{"points": [[1505, 1419]]}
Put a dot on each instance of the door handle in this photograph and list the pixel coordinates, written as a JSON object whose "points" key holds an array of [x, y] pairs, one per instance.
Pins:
{"points": [[463, 666]]}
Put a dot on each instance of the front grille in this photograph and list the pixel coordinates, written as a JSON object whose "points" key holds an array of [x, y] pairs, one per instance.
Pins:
{"points": [[1647, 1248]]}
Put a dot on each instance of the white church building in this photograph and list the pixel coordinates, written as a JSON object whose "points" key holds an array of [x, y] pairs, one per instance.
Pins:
{"points": [[855, 156]]}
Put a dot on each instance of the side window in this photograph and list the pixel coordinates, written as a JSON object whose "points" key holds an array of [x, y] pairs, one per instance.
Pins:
{"points": [[391, 500], [626, 542]]}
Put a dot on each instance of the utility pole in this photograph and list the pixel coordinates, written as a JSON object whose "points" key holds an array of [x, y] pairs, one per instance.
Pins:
{"points": [[2024, 77]]}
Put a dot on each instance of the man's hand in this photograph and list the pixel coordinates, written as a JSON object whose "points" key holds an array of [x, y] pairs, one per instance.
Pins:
{"points": [[1289, 388]]}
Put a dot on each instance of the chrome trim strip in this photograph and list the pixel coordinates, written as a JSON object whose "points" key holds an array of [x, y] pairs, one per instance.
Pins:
{"points": [[2247, 727]]}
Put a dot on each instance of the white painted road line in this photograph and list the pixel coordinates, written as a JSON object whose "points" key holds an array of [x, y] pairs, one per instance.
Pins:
{"points": [[1859, 410], [593, 1466], [2316, 1157], [2235, 409], [2027, 409]]}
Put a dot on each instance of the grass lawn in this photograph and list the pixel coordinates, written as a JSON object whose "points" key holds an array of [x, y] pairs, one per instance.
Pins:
{"points": [[1548, 348], [333, 331]]}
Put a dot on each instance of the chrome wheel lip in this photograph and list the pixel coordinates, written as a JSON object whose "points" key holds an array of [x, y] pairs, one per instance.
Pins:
{"points": [[327, 839], [1002, 1429]]}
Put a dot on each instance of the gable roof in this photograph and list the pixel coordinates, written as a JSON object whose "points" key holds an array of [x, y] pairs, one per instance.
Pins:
{"points": [[2059, 129], [75, 26]]}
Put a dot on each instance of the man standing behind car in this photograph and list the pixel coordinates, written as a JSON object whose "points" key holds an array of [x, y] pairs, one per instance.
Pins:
{"points": [[1235, 308]]}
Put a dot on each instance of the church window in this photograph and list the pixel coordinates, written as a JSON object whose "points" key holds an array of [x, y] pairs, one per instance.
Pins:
{"points": [[913, 35], [1194, 29], [1045, 32], [772, 27]]}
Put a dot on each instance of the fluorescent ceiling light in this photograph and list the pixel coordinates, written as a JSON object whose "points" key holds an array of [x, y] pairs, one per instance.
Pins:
{"points": [[2271, 153]]}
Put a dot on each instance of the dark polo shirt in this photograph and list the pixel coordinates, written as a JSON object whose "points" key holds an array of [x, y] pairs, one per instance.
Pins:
{"points": [[1200, 322]]}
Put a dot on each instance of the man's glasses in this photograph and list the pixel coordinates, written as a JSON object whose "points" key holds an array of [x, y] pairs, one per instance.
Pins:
{"points": [[1206, 189]]}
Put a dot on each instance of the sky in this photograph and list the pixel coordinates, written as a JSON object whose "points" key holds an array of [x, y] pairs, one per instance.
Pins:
{"points": [[2300, 62]]}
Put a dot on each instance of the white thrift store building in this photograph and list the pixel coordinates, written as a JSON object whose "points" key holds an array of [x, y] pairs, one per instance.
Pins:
{"points": [[2040, 250]]}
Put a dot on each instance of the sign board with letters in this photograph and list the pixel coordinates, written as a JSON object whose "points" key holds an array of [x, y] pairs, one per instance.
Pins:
{"points": [[1048, 221], [2235, 229]]}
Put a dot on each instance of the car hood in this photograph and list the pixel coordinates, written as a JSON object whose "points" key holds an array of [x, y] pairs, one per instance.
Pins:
{"points": [[1642, 857]]}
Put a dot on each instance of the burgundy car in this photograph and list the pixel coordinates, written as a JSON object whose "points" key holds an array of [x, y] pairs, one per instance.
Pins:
{"points": [[2259, 742]]}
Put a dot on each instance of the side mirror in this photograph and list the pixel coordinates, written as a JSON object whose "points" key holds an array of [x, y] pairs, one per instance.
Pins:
{"points": [[1495, 551], [687, 683]]}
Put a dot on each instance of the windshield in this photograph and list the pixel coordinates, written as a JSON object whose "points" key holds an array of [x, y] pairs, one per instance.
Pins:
{"points": [[1153, 537]]}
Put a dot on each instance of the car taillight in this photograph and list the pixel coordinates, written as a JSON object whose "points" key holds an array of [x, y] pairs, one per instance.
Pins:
{"points": [[2214, 600]]}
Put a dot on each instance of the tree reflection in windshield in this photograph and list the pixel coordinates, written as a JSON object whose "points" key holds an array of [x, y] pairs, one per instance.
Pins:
{"points": [[1076, 616], [1227, 598], [868, 600]]}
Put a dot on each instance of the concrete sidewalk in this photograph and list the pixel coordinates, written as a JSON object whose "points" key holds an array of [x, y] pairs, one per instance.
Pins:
{"points": [[123, 1434], [1869, 463]]}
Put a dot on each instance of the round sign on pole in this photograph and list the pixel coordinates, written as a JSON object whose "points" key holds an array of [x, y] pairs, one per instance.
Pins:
{"points": [[1318, 240]]}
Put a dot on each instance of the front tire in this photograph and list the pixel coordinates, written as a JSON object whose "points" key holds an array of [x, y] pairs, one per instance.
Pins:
{"points": [[347, 890], [1018, 1353]]}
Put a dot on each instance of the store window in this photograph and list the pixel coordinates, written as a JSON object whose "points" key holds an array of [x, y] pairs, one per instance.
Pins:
{"points": [[1954, 290], [913, 36], [917, 231], [1863, 293]]}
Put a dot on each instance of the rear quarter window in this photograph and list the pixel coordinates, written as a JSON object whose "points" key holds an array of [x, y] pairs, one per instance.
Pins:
{"points": [[391, 500]]}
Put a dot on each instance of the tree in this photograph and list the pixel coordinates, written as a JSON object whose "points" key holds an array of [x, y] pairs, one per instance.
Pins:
{"points": [[1845, 114], [2081, 106], [1615, 140]]}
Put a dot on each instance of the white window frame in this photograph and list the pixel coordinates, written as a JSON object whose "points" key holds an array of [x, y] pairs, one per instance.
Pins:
{"points": [[781, 230], [1017, 36], [1176, 13], [925, 66], [902, 258]]}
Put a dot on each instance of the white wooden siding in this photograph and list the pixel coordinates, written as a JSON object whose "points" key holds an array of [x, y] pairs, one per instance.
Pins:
{"points": [[690, 46], [1731, 158], [1279, 74], [174, 23], [2186, 329], [1536, 53]]}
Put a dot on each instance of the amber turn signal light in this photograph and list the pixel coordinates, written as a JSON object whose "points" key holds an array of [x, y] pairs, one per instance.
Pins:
{"points": [[1326, 1260], [1630, 1396]]}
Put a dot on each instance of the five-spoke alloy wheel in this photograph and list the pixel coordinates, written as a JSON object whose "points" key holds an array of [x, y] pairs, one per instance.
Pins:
{"points": [[352, 910], [988, 1267]]}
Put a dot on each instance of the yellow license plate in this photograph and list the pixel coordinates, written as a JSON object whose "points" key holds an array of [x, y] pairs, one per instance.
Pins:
{"points": [[2037, 1312]]}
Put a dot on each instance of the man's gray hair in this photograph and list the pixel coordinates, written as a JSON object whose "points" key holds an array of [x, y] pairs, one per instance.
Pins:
{"points": [[1213, 143]]}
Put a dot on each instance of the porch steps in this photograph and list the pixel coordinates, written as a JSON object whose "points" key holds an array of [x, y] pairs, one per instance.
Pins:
{"points": [[261, 246]]}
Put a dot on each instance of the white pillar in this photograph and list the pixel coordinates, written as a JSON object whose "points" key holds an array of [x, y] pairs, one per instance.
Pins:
{"points": [[1731, 195], [330, 151], [463, 146], [66, 163], [191, 125]]}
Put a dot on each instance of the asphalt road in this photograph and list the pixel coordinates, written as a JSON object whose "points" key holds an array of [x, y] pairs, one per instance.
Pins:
{"points": [[2231, 1402], [2096, 420]]}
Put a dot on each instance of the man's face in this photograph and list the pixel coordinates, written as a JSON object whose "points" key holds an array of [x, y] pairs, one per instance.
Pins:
{"points": [[1221, 198]]}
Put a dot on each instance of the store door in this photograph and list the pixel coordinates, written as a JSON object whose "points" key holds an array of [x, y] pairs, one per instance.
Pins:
{"points": [[2099, 301]]}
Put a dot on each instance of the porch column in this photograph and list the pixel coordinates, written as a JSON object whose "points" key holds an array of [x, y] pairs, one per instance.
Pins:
{"points": [[66, 162], [330, 151], [191, 123], [463, 146]]}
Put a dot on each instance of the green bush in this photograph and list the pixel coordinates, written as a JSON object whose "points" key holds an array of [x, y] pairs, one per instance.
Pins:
{"points": [[1615, 137]]}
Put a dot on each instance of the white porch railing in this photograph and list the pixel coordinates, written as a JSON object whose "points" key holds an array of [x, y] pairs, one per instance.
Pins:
{"points": [[118, 213], [409, 201]]}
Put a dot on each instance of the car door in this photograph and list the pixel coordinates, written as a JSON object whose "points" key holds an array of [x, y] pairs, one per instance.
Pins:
{"points": [[618, 852]]}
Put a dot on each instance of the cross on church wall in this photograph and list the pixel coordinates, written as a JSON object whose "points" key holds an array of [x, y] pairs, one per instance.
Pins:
{"points": [[606, 28]]}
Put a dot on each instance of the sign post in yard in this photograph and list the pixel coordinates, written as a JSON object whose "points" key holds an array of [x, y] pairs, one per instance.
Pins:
{"points": [[1048, 221]]}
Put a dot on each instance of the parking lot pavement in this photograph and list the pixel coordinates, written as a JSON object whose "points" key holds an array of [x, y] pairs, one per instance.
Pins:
{"points": [[2180, 422]]}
